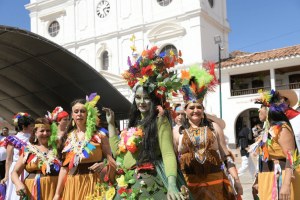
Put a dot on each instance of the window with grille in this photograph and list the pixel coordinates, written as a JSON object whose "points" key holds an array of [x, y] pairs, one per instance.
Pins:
{"points": [[53, 29], [168, 48], [164, 2], [105, 61]]}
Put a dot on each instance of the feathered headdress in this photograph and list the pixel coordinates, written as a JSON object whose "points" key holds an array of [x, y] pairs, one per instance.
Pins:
{"points": [[17, 116], [271, 99], [150, 70], [198, 82], [92, 114]]}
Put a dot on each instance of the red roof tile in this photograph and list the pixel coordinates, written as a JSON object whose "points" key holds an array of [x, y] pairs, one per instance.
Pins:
{"points": [[241, 58]]}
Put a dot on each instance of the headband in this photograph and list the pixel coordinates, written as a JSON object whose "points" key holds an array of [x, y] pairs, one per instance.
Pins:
{"points": [[42, 126]]}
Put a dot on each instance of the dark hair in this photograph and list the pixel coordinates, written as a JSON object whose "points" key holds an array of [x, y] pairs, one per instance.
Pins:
{"points": [[278, 116], [204, 122], [38, 121], [5, 128], [24, 120], [150, 139]]}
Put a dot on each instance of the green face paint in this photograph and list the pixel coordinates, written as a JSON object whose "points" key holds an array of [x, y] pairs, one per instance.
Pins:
{"points": [[142, 100]]}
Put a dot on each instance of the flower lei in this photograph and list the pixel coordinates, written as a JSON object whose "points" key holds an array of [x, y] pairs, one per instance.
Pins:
{"points": [[46, 159], [130, 139]]}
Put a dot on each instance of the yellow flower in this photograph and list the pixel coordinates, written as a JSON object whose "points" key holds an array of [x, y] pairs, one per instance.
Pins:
{"points": [[142, 80], [133, 48], [132, 38], [109, 195], [153, 67], [121, 182], [171, 53]]}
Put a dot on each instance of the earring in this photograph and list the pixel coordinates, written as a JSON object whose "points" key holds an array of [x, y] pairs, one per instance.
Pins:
{"points": [[202, 116], [73, 122], [35, 139], [186, 116]]}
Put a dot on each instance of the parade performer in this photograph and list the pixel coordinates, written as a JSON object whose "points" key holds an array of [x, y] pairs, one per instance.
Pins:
{"points": [[145, 160], [60, 117], [81, 149], [24, 125], [290, 98], [200, 140], [278, 175], [40, 161], [178, 116]]}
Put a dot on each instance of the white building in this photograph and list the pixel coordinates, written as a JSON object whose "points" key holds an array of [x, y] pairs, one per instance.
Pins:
{"points": [[277, 69], [99, 31]]}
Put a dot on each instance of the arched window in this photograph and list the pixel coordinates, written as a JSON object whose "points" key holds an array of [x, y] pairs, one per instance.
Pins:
{"points": [[164, 2], [168, 48], [105, 61]]}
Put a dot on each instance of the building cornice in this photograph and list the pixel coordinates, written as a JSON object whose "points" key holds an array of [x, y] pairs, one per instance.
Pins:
{"points": [[51, 14], [266, 61]]}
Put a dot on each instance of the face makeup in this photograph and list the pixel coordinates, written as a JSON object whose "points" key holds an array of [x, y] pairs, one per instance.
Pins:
{"points": [[142, 100], [79, 113]]}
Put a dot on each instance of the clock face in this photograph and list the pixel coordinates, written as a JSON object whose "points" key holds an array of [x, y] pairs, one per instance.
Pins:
{"points": [[103, 9]]}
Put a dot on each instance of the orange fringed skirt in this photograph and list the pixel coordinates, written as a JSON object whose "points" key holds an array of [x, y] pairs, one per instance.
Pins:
{"points": [[216, 186], [47, 186], [265, 185], [81, 183]]}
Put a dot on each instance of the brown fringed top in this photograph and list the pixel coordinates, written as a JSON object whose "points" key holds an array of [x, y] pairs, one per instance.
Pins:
{"points": [[188, 160]]}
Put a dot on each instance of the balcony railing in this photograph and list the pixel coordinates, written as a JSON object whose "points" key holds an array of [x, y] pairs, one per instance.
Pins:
{"points": [[289, 86], [248, 91]]}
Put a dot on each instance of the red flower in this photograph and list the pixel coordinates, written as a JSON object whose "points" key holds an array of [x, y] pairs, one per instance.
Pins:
{"points": [[174, 94], [135, 66], [173, 114], [154, 48], [172, 64], [161, 89], [167, 59], [147, 71], [120, 171], [120, 191], [106, 177], [167, 75], [132, 83], [150, 54]]}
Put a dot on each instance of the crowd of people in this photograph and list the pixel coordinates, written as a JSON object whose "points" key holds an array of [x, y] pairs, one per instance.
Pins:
{"points": [[62, 156]]}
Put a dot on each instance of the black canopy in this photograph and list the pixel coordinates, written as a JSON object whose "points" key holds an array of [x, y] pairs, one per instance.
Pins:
{"points": [[36, 75]]}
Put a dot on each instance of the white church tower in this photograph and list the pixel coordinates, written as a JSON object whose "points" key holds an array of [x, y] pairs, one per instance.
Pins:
{"points": [[99, 31]]}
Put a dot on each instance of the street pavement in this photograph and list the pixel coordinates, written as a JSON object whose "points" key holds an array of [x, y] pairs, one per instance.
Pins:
{"points": [[246, 179]]}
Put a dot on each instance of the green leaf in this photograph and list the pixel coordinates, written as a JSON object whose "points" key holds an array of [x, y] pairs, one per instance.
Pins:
{"points": [[185, 82], [160, 92], [161, 84], [172, 74], [151, 88], [169, 84], [177, 80], [123, 194], [167, 79], [159, 78], [125, 171], [131, 181], [149, 189], [173, 77], [154, 186], [269, 141], [165, 190]]}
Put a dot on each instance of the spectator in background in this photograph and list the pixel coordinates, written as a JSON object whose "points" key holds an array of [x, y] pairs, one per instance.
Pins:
{"points": [[298, 108], [247, 163], [3, 154], [254, 130]]}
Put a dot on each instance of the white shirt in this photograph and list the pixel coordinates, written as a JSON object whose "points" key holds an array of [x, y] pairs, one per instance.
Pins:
{"points": [[3, 152], [295, 122], [23, 137]]}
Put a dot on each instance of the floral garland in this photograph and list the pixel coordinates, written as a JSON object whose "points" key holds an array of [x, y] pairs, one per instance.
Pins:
{"points": [[19, 115], [46, 160], [76, 150], [130, 139]]}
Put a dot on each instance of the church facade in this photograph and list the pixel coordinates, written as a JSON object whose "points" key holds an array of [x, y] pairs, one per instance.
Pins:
{"points": [[99, 31]]}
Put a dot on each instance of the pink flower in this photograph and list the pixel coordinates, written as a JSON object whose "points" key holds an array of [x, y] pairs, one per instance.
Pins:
{"points": [[138, 175]]}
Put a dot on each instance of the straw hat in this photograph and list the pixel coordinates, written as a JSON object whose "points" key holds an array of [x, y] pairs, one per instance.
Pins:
{"points": [[289, 94], [217, 120]]}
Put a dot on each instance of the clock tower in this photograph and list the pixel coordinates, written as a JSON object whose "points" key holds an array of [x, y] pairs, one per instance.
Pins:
{"points": [[99, 31]]}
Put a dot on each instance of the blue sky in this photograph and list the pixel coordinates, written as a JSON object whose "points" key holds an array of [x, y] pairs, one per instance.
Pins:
{"points": [[257, 25]]}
